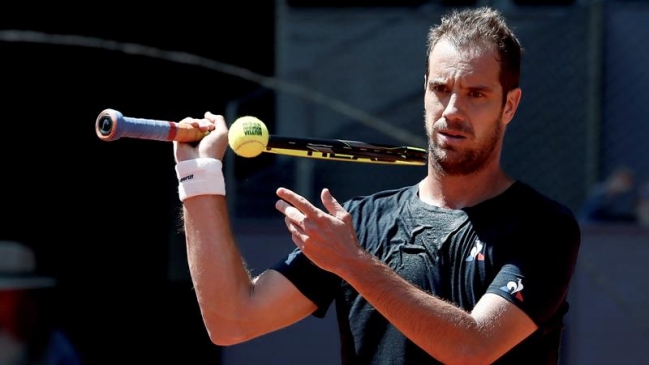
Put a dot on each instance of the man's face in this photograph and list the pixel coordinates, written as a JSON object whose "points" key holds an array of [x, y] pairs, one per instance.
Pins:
{"points": [[464, 114]]}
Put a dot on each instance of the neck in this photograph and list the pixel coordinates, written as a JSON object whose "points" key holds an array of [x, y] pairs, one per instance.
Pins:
{"points": [[457, 192]]}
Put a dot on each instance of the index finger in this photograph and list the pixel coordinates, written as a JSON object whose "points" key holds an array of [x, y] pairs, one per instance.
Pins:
{"points": [[299, 202]]}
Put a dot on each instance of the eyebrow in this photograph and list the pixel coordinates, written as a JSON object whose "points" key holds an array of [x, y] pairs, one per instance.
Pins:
{"points": [[481, 87]]}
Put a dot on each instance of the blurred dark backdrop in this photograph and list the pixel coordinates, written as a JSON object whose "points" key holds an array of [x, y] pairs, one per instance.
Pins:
{"points": [[100, 215]]}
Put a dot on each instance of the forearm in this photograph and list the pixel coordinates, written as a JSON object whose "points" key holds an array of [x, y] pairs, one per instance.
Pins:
{"points": [[221, 281], [445, 331]]}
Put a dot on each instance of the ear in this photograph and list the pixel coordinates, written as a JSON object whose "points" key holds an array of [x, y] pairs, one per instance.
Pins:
{"points": [[511, 104]]}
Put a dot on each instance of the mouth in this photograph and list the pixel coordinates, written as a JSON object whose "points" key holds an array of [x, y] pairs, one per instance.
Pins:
{"points": [[452, 135]]}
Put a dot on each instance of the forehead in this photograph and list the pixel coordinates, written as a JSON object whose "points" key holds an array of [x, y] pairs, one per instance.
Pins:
{"points": [[479, 62]]}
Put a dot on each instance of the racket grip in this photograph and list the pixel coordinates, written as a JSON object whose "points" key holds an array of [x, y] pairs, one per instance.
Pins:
{"points": [[112, 125]]}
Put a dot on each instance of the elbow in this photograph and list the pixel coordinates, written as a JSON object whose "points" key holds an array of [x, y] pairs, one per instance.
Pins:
{"points": [[470, 355], [224, 333], [224, 340], [468, 359]]}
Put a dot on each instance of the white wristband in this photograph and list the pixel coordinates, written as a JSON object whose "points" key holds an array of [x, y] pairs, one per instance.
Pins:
{"points": [[201, 176]]}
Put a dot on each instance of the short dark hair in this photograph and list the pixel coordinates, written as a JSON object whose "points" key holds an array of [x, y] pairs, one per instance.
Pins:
{"points": [[481, 26]]}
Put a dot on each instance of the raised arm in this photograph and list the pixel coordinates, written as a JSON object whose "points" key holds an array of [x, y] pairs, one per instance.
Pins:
{"points": [[234, 306]]}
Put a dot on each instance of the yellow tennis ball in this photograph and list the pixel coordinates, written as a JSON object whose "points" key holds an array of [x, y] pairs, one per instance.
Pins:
{"points": [[248, 136]]}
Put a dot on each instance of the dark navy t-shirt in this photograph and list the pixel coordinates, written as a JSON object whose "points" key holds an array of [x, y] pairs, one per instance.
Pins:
{"points": [[519, 245]]}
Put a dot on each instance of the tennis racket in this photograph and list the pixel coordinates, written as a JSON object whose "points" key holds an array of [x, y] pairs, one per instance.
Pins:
{"points": [[112, 125]]}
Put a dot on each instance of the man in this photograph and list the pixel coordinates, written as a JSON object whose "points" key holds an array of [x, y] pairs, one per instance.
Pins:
{"points": [[469, 266]]}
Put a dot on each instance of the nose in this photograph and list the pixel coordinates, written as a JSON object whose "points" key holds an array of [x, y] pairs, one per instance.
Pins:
{"points": [[453, 109]]}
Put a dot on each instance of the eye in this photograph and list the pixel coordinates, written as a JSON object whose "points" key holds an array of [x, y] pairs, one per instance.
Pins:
{"points": [[476, 94], [439, 88]]}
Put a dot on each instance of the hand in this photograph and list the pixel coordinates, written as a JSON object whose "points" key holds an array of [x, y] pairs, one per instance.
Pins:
{"points": [[327, 239], [212, 146]]}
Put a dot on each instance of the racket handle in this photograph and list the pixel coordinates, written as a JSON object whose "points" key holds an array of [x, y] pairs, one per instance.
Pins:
{"points": [[112, 125]]}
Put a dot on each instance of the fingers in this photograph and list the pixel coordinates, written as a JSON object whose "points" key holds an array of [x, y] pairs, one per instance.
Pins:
{"points": [[216, 120], [297, 201], [326, 238], [294, 220], [213, 145], [208, 123], [302, 205], [293, 215], [297, 233], [332, 205], [300, 214]]}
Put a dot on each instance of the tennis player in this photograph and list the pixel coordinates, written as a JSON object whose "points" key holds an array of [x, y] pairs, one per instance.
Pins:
{"points": [[466, 266]]}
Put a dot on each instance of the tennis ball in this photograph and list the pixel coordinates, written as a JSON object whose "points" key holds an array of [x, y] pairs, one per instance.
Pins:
{"points": [[248, 136]]}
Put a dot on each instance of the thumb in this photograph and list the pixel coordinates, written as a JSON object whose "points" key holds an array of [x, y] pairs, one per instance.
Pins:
{"points": [[333, 207]]}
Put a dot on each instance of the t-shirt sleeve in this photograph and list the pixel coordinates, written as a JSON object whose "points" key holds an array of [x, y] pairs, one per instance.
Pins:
{"points": [[319, 285], [537, 274]]}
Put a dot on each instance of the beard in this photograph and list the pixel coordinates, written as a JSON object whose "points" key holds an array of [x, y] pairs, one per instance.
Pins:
{"points": [[451, 161]]}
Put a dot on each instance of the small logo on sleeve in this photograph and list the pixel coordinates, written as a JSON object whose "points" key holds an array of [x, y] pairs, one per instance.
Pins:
{"points": [[514, 288]]}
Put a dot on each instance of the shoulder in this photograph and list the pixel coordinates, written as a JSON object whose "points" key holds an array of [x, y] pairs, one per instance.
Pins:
{"points": [[523, 209], [529, 200], [539, 215]]}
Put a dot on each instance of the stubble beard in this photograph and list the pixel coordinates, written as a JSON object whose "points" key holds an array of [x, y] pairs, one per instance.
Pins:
{"points": [[449, 161]]}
